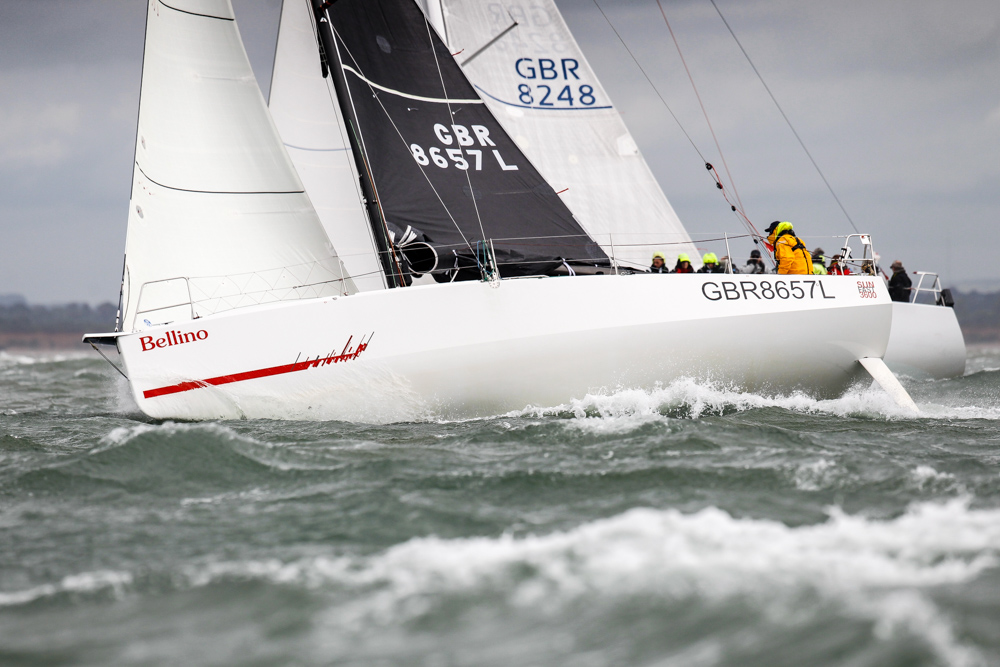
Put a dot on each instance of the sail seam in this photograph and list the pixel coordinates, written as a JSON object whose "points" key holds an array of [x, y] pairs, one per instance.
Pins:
{"points": [[219, 192], [316, 150], [400, 93], [184, 11]]}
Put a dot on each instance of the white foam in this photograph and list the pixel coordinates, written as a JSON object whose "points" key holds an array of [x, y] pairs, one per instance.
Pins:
{"points": [[982, 358], [87, 582], [122, 435], [122, 401], [926, 476], [695, 399], [8, 359], [874, 570], [698, 398], [712, 553], [817, 475]]}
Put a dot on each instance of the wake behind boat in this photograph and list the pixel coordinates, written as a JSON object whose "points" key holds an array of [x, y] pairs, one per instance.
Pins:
{"points": [[235, 302]]}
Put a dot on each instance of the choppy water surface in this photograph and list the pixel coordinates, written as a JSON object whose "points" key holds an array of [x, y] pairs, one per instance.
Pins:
{"points": [[687, 526]]}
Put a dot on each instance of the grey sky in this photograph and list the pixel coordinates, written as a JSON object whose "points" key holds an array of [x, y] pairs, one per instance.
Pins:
{"points": [[898, 101]]}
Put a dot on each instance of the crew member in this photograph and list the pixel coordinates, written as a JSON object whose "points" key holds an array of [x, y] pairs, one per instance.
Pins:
{"points": [[659, 263], [819, 262], [899, 283], [838, 269], [709, 263], [755, 264], [790, 253], [683, 264]]}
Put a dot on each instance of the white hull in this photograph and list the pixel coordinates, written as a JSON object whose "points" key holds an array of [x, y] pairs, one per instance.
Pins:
{"points": [[925, 342], [466, 349]]}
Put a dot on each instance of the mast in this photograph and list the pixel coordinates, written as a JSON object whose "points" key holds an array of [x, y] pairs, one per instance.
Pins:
{"points": [[330, 52]]}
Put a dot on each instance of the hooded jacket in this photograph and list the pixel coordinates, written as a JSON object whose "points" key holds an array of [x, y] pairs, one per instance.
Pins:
{"points": [[789, 252]]}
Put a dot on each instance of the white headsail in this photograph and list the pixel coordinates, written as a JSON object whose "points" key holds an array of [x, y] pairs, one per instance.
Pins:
{"points": [[218, 217], [305, 110], [537, 82]]}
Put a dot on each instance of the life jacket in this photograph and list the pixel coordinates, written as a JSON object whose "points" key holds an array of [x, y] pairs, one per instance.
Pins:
{"points": [[837, 269], [790, 253], [819, 269]]}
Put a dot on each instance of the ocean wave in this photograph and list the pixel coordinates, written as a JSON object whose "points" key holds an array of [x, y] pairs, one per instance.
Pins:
{"points": [[86, 585], [688, 398], [8, 359], [878, 571], [874, 570], [167, 460]]}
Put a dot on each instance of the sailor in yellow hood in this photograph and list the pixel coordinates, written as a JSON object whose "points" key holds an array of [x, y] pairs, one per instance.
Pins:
{"points": [[790, 253]]}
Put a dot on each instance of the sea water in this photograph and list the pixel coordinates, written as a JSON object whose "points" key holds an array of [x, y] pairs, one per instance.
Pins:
{"points": [[691, 525]]}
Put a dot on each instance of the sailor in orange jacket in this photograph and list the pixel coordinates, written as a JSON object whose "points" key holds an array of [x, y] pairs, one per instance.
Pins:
{"points": [[791, 255]]}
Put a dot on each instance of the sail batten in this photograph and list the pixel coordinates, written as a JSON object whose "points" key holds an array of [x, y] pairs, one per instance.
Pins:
{"points": [[419, 98], [219, 192]]}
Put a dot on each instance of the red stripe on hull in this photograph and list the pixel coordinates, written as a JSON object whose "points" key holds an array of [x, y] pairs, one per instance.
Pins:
{"points": [[251, 375]]}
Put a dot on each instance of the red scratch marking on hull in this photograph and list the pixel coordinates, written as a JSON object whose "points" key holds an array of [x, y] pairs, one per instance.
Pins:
{"points": [[251, 375]]}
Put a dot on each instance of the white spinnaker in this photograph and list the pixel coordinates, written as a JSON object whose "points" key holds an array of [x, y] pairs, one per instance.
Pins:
{"points": [[305, 111], [539, 85], [218, 217]]}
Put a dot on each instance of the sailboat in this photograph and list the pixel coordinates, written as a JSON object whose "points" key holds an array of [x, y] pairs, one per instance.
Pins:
{"points": [[531, 72], [236, 304]]}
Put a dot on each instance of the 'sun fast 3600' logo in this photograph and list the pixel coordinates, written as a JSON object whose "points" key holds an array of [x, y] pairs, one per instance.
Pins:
{"points": [[866, 289]]}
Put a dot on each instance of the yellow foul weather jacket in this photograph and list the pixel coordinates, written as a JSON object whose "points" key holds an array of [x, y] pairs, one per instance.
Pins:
{"points": [[789, 252]]}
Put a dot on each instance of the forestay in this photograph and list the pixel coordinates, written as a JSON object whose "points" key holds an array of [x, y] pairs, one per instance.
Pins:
{"points": [[540, 86], [439, 160], [304, 107], [218, 218]]}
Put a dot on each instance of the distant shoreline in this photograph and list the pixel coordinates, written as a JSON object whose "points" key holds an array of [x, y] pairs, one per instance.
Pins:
{"points": [[41, 340]]}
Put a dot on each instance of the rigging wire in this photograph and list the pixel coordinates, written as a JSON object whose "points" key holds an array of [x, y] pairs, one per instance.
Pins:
{"points": [[349, 122], [714, 175], [403, 139], [704, 111], [783, 115], [650, 82], [451, 117]]}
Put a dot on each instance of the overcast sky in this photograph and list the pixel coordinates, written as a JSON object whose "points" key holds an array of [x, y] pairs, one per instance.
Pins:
{"points": [[898, 101]]}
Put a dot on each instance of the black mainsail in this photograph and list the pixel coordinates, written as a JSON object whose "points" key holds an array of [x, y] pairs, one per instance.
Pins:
{"points": [[434, 156]]}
